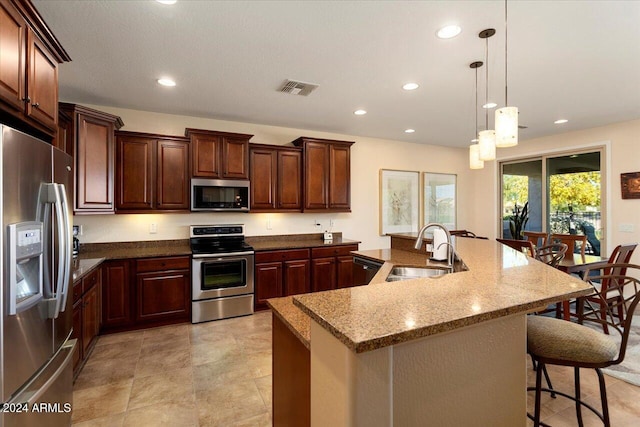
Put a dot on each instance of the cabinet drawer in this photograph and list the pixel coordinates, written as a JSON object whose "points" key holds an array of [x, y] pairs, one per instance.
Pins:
{"points": [[333, 251], [161, 264], [90, 280], [273, 256]]}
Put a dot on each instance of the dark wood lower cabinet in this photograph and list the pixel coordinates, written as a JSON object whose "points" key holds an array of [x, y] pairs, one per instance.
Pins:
{"points": [[291, 378], [323, 271], [145, 292], [280, 273], [268, 282], [86, 317], [332, 268], [296, 276]]}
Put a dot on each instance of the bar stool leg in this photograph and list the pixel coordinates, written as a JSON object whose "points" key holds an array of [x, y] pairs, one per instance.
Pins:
{"points": [[536, 414], [576, 371], [603, 398]]}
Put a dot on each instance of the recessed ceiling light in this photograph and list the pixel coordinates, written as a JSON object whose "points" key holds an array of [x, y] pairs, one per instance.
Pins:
{"points": [[167, 1], [409, 130], [448, 32], [166, 82], [490, 105], [360, 112], [561, 121], [411, 86]]}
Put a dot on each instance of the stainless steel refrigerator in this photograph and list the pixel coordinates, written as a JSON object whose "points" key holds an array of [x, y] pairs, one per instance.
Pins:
{"points": [[36, 355]]}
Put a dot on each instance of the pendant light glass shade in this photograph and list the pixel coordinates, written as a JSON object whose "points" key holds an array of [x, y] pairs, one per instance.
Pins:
{"points": [[474, 157], [506, 123], [487, 145]]}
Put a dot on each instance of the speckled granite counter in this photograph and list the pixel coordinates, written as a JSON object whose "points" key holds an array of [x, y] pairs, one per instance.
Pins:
{"points": [[500, 282], [298, 322], [296, 241], [81, 267], [144, 249]]}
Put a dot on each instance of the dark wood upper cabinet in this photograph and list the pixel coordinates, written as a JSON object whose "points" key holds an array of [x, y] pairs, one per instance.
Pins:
{"points": [[94, 150], [327, 174], [219, 155], [276, 175], [29, 58], [152, 172]]}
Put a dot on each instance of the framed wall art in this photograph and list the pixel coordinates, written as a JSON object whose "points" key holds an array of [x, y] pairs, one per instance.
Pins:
{"points": [[630, 184], [439, 198], [399, 201]]}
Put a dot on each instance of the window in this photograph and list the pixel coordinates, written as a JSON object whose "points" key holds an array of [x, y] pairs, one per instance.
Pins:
{"points": [[564, 193]]}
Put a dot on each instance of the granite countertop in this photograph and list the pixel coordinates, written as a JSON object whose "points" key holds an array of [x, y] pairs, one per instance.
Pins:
{"points": [[81, 267], [298, 322], [296, 241], [144, 249], [500, 282]]}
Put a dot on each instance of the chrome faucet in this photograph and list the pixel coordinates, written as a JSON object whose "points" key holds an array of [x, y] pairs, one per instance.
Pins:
{"points": [[450, 251]]}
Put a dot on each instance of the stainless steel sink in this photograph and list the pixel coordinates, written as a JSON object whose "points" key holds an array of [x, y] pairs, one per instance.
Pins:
{"points": [[405, 273]]}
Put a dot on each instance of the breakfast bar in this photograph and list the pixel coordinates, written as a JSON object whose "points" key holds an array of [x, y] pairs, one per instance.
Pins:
{"points": [[446, 350]]}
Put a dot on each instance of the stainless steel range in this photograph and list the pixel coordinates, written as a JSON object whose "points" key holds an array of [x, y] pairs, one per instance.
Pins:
{"points": [[221, 272]]}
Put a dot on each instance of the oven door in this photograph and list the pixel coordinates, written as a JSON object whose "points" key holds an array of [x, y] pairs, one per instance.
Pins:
{"points": [[215, 276]]}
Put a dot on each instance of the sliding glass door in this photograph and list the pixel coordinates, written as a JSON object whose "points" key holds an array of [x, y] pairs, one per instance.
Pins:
{"points": [[562, 193]]}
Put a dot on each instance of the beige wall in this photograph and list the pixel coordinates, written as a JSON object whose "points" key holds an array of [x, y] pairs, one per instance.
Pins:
{"points": [[369, 155], [623, 148]]}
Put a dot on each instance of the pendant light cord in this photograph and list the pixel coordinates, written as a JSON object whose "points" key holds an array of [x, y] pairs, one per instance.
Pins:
{"points": [[506, 102], [475, 107], [486, 93]]}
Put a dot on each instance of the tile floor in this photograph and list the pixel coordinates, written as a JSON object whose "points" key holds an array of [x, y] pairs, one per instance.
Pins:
{"points": [[219, 374]]}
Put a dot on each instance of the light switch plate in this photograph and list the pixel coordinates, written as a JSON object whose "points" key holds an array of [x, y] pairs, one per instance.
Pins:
{"points": [[626, 228]]}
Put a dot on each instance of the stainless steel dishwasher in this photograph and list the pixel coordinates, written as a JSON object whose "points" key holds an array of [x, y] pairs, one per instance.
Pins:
{"points": [[369, 267]]}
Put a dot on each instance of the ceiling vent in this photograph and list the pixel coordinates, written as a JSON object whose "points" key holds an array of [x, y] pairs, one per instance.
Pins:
{"points": [[297, 88]]}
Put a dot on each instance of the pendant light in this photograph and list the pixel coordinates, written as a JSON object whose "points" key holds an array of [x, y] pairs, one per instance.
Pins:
{"points": [[487, 137], [506, 119], [474, 149]]}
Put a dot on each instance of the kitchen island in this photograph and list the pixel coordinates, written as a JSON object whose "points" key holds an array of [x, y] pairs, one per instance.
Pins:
{"points": [[448, 350]]}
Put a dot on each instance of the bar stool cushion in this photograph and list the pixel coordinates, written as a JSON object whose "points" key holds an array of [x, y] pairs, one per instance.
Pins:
{"points": [[558, 339]]}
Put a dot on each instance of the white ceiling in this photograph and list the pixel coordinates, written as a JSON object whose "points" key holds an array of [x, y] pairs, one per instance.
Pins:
{"points": [[578, 60]]}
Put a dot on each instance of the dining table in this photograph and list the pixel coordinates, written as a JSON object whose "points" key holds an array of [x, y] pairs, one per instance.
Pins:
{"points": [[578, 264]]}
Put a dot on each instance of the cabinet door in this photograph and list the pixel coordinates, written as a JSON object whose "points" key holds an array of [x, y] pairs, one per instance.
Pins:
{"points": [[116, 294], [262, 168], [344, 271], [315, 175], [77, 334], [95, 154], [90, 322], [339, 177], [42, 83], [134, 172], [12, 59], [296, 277], [206, 152], [268, 282], [235, 158], [163, 295], [289, 180], [173, 175], [323, 274]]}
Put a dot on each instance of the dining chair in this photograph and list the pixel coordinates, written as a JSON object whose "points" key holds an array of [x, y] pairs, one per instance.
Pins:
{"points": [[538, 238], [553, 341], [519, 245], [570, 240], [620, 255], [551, 254], [466, 233]]}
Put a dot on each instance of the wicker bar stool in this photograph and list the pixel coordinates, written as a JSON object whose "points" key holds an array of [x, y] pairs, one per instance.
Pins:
{"points": [[553, 341]]}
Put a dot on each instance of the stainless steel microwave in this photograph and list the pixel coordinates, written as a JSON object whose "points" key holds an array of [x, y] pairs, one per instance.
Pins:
{"points": [[219, 195]]}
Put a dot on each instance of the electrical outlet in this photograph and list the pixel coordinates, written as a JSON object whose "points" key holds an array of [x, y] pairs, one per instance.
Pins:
{"points": [[331, 223], [268, 224], [153, 228]]}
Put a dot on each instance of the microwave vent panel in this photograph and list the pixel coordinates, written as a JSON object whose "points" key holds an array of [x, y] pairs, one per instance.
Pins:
{"points": [[297, 88]]}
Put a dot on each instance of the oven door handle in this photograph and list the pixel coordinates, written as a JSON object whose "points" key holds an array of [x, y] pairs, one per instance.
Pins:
{"points": [[221, 257]]}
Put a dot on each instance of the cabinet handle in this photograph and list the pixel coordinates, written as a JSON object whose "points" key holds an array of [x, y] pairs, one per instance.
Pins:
{"points": [[36, 105], [27, 99]]}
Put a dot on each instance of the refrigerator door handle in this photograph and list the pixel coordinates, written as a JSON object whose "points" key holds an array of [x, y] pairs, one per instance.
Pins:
{"points": [[62, 240], [67, 244]]}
